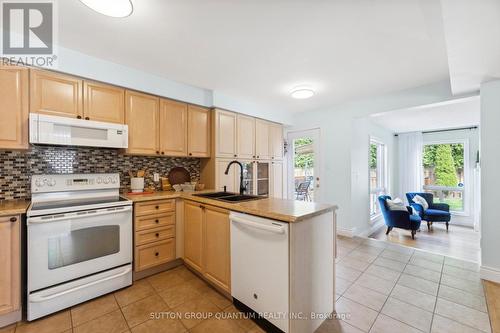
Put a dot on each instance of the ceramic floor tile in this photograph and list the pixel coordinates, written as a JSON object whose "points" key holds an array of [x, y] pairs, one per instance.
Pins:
{"points": [[336, 326], [341, 285], [414, 297], [113, 322], [427, 264], [408, 314], [216, 298], [423, 273], [355, 263], [463, 297], [389, 263], [165, 280], [375, 283], [473, 287], [362, 256], [8, 329], [437, 258], [366, 248], [394, 255], [471, 266], [383, 273], [166, 324], [399, 248], [370, 298], [385, 324], [93, 309], [464, 315], [445, 325], [139, 290], [184, 273], [200, 306], [56, 323], [342, 252], [346, 273], [461, 273], [374, 243], [217, 325], [140, 311], [419, 284], [356, 314], [238, 317], [176, 295]]}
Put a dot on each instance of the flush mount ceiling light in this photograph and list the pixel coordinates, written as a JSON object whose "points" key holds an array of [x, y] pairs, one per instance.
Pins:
{"points": [[113, 8], [302, 92]]}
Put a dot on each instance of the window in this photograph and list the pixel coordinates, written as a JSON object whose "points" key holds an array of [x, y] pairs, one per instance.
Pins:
{"points": [[378, 175], [444, 173]]}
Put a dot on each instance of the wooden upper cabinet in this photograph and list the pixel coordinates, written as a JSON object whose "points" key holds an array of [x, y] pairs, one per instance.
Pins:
{"points": [[102, 102], [173, 128], [262, 150], [10, 257], [14, 101], [245, 140], [56, 94], [141, 116], [198, 131], [193, 234], [216, 249], [276, 141], [225, 123]]}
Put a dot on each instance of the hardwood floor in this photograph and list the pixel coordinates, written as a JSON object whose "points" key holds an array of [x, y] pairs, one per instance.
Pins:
{"points": [[492, 291], [459, 242]]}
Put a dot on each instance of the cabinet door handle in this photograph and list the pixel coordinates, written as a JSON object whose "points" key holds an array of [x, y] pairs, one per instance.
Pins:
{"points": [[13, 219], [163, 153], [157, 152], [235, 155], [190, 154], [157, 221], [157, 235], [87, 118], [157, 207], [78, 117], [157, 254]]}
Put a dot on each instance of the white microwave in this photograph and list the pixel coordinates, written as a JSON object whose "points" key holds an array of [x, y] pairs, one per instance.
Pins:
{"points": [[54, 130]]}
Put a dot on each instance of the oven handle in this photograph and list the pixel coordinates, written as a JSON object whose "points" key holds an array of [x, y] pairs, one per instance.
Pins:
{"points": [[72, 216], [40, 298]]}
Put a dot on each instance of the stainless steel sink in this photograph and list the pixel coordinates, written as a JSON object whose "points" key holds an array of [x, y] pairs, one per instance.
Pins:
{"points": [[228, 196]]}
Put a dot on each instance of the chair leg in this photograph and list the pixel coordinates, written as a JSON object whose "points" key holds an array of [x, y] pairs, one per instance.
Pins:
{"points": [[388, 230], [447, 226], [413, 232], [428, 226]]}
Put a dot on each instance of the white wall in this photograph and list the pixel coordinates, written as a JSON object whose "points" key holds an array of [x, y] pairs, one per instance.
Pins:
{"points": [[472, 137], [336, 128], [490, 180], [362, 130]]}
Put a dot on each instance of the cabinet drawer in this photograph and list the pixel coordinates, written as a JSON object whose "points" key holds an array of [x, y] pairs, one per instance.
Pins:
{"points": [[154, 235], [150, 255], [153, 221], [153, 207]]}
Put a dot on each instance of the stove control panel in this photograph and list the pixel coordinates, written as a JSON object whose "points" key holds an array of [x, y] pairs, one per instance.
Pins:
{"points": [[74, 182]]}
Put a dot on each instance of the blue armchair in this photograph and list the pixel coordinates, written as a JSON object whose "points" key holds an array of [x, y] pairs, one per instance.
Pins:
{"points": [[398, 218], [437, 212]]}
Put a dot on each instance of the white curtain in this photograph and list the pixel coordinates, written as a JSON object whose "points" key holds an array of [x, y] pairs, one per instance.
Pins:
{"points": [[411, 171]]}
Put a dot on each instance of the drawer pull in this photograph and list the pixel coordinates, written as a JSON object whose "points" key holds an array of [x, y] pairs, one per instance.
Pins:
{"points": [[157, 254], [13, 219], [157, 235], [157, 207], [157, 221]]}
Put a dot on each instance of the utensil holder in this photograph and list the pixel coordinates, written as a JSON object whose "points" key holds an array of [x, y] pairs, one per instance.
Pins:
{"points": [[137, 184]]}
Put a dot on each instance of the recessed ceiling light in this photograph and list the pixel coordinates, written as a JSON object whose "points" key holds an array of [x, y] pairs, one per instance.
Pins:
{"points": [[113, 8], [302, 93]]}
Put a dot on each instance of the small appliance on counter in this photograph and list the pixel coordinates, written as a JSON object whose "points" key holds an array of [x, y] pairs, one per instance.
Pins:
{"points": [[79, 241]]}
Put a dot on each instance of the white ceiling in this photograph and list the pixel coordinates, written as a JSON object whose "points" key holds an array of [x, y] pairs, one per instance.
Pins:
{"points": [[472, 30], [456, 114], [259, 50]]}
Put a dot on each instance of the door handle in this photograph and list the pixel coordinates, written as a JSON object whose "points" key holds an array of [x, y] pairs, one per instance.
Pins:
{"points": [[276, 230]]}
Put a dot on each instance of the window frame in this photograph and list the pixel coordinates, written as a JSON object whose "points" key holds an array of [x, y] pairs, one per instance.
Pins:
{"points": [[382, 173], [466, 188]]}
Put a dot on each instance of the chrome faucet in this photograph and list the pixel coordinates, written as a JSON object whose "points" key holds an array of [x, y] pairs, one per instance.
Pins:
{"points": [[242, 188]]}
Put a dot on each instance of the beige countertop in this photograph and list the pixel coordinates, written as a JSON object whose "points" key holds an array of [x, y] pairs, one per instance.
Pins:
{"points": [[276, 209], [13, 207]]}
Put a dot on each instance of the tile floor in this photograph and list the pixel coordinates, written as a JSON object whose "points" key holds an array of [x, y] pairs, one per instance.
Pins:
{"points": [[381, 288]]}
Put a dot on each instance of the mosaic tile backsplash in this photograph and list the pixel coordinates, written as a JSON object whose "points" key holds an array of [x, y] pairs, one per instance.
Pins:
{"points": [[16, 167]]}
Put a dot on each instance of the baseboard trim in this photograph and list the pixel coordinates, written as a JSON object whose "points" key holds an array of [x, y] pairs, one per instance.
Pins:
{"points": [[346, 232], [10, 318], [490, 274], [377, 225]]}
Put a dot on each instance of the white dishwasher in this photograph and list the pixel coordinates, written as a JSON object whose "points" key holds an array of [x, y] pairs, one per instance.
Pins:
{"points": [[260, 267]]}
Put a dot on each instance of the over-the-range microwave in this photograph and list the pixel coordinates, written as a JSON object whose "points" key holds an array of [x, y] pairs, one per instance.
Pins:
{"points": [[55, 130]]}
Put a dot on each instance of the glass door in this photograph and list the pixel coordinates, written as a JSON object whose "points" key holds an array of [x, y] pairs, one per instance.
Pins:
{"points": [[248, 176], [303, 162], [263, 178]]}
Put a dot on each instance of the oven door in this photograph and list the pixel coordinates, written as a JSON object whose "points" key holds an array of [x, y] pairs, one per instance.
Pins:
{"points": [[64, 247]]}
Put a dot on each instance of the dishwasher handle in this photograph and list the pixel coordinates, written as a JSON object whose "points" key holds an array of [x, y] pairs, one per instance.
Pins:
{"points": [[252, 224]]}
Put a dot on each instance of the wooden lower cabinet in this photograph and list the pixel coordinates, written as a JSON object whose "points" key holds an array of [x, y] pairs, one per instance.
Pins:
{"points": [[10, 258], [206, 242], [154, 227]]}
